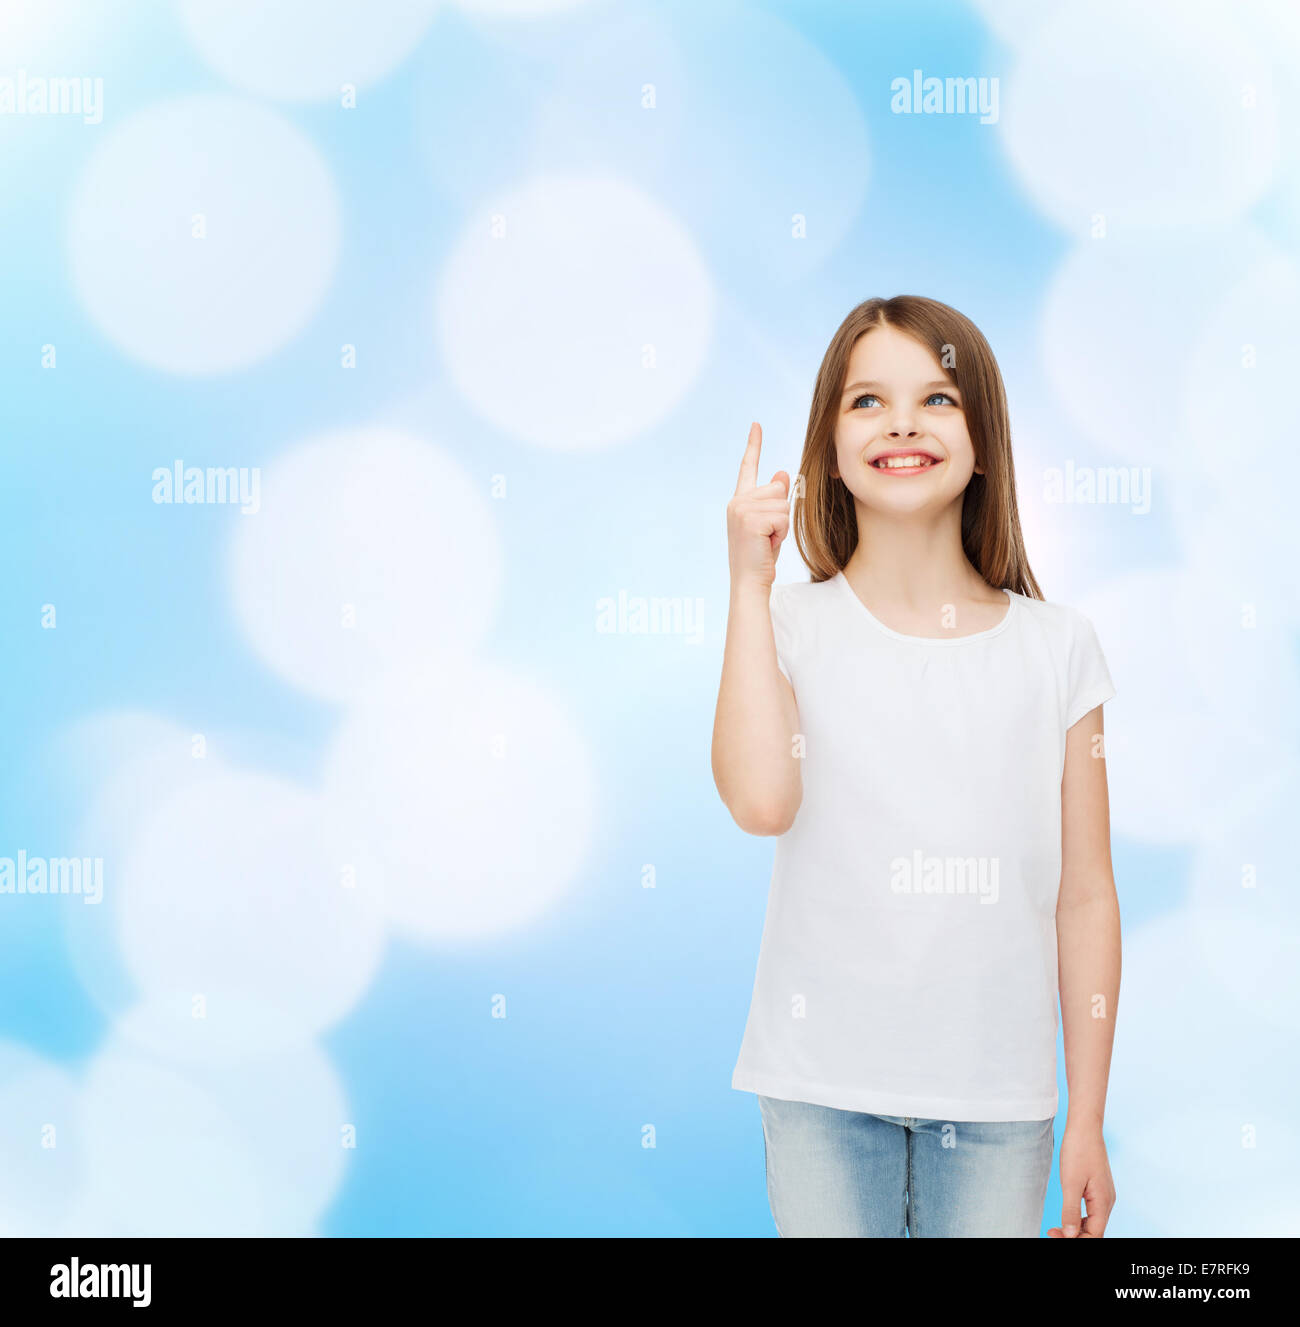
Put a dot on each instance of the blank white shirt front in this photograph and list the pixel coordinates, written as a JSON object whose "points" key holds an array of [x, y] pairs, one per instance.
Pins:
{"points": [[908, 962]]}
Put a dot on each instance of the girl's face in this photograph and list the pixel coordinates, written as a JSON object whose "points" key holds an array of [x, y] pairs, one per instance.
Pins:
{"points": [[901, 443]]}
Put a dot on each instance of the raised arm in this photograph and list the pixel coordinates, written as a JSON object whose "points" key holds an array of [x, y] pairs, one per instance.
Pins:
{"points": [[754, 762]]}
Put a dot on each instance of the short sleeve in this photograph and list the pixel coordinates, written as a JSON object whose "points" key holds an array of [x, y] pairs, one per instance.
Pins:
{"points": [[782, 630], [1089, 678]]}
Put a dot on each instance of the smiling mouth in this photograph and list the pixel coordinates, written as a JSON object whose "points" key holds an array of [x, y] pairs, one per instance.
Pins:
{"points": [[909, 463]]}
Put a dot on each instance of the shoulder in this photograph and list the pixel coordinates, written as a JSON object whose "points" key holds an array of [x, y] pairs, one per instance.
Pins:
{"points": [[799, 600], [1067, 632], [804, 594], [1060, 621]]}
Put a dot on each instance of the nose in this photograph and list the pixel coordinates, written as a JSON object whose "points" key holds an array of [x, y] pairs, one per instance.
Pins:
{"points": [[901, 428]]}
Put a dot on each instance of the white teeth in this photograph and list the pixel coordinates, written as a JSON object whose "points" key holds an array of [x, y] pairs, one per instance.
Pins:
{"points": [[902, 462]]}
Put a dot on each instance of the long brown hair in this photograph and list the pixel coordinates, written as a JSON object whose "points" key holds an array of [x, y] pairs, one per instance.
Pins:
{"points": [[825, 520]]}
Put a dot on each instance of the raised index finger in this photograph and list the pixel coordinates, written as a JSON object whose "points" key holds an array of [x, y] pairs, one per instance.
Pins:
{"points": [[749, 462]]}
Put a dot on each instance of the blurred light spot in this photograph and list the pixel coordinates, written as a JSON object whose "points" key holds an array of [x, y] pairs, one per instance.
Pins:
{"points": [[284, 1099], [518, 8], [1118, 313], [41, 1156], [1243, 903], [370, 545], [162, 1157], [574, 313], [235, 889], [203, 234], [1156, 114], [1234, 492], [125, 765], [1015, 21], [775, 183], [1199, 698], [1187, 1171], [473, 790], [1182, 1038], [305, 49]]}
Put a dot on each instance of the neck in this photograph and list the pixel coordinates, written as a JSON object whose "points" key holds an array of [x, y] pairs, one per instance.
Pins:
{"points": [[912, 560]]}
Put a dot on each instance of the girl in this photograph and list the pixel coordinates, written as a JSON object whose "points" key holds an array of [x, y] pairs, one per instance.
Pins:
{"points": [[924, 734]]}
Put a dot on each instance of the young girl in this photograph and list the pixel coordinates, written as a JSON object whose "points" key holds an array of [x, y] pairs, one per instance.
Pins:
{"points": [[924, 734]]}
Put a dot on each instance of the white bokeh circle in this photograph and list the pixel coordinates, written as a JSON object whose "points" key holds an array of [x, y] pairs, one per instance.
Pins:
{"points": [[370, 545], [578, 320], [1117, 314], [128, 763], [1015, 21], [518, 8], [270, 215], [1244, 907], [163, 1157], [33, 33], [236, 889], [1142, 114], [1185, 1167], [1187, 1081], [1236, 430], [1206, 708], [1177, 1030], [778, 181], [769, 193], [290, 1109], [1247, 347], [41, 1156], [302, 50], [473, 791], [237, 1026], [285, 1099]]}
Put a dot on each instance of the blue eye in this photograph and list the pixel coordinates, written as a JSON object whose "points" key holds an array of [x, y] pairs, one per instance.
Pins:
{"points": [[871, 396]]}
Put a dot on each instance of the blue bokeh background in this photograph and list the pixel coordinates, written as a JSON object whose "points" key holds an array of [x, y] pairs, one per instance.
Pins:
{"points": [[627, 1003]]}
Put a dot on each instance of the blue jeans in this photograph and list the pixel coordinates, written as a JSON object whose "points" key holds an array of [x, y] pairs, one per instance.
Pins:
{"points": [[839, 1173]]}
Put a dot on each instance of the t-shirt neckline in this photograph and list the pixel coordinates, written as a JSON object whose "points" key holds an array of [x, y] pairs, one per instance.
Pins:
{"points": [[1012, 599]]}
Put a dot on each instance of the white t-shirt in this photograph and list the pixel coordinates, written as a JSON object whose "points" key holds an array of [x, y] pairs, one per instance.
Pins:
{"points": [[908, 960]]}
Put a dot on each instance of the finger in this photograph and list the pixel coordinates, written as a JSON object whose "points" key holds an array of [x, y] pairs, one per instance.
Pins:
{"points": [[765, 504], [749, 462], [1057, 1233], [1072, 1198], [774, 534], [764, 515], [773, 490], [1098, 1215]]}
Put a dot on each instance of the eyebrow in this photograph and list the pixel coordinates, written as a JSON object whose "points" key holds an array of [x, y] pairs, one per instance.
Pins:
{"points": [[944, 383]]}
